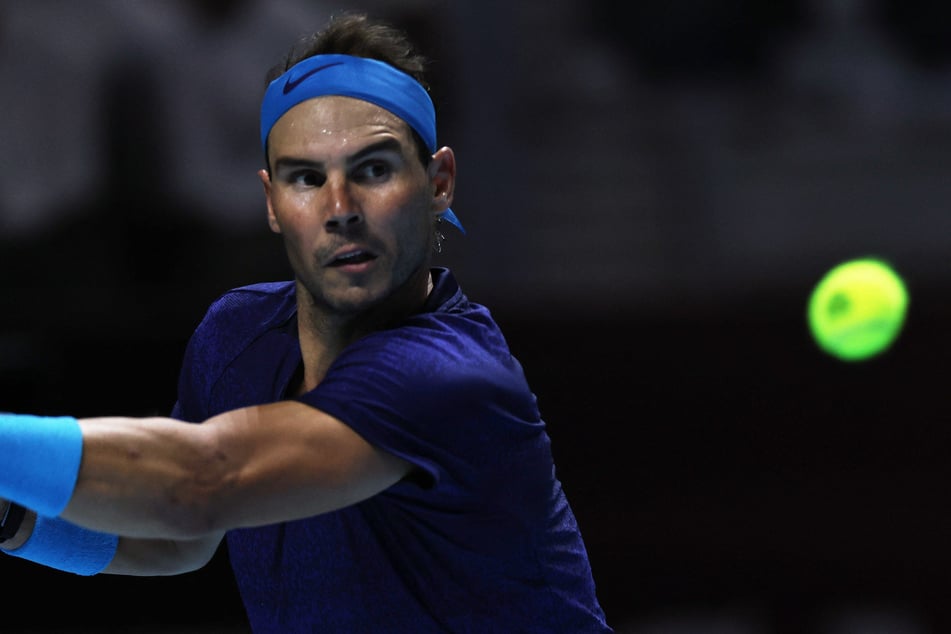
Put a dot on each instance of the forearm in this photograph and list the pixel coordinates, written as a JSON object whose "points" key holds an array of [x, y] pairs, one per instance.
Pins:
{"points": [[159, 557], [160, 478], [54, 542], [74, 549], [151, 478]]}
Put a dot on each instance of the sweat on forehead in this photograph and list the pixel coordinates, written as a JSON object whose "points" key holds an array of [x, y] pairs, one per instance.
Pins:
{"points": [[345, 75]]}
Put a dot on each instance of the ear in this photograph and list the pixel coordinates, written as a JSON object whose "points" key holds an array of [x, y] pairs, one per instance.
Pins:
{"points": [[442, 174], [271, 218]]}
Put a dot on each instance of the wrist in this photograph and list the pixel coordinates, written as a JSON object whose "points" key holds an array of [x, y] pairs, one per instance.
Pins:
{"points": [[42, 455], [10, 519], [57, 543], [17, 526]]}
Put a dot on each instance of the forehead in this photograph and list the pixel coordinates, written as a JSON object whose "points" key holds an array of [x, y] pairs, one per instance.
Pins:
{"points": [[334, 121]]}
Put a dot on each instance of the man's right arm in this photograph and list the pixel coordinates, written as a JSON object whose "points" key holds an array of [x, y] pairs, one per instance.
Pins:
{"points": [[141, 557]]}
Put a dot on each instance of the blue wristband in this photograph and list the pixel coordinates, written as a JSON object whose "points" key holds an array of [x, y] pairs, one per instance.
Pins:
{"points": [[59, 544], [41, 460]]}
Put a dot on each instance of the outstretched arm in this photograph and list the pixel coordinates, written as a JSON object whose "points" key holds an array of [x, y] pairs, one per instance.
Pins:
{"points": [[163, 478], [178, 486]]}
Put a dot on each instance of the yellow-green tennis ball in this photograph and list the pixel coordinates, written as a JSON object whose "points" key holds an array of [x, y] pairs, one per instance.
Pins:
{"points": [[857, 309]]}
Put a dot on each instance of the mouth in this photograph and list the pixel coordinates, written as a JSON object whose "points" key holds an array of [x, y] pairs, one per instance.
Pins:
{"points": [[351, 257]]}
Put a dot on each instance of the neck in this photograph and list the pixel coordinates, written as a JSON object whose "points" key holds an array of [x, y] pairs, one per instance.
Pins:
{"points": [[325, 333]]}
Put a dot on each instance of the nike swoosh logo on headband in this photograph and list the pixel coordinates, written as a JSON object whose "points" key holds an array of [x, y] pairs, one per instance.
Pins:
{"points": [[293, 82]]}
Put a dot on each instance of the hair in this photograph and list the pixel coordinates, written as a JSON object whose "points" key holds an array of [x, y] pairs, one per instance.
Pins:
{"points": [[355, 34]]}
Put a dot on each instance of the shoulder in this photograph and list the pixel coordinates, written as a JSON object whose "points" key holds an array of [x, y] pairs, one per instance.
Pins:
{"points": [[243, 314], [458, 334], [451, 322], [399, 387], [459, 353], [266, 301], [244, 322]]}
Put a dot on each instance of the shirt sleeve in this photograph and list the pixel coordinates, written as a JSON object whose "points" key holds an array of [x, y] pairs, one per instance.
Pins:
{"points": [[435, 396]]}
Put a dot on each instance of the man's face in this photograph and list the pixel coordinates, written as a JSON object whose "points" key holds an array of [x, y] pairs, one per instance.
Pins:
{"points": [[355, 206]]}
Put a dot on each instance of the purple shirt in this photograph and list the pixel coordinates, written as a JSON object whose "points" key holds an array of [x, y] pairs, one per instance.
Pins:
{"points": [[480, 539]]}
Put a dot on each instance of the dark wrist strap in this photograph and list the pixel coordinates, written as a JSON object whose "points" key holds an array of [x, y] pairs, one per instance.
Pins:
{"points": [[11, 521]]}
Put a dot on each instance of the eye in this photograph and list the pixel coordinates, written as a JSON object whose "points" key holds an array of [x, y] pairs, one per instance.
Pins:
{"points": [[372, 171], [306, 178]]}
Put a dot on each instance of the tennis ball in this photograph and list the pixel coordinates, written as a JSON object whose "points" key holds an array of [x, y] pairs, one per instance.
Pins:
{"points": [[857, 309]]}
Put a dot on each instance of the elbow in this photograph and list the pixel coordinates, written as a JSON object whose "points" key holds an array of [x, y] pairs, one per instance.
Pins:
{"points": [[201, 499]]}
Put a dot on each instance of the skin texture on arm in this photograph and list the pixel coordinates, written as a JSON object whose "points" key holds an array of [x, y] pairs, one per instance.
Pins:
{"points": [[160, 557], [164, 479], [145, 557], [171, 489]]}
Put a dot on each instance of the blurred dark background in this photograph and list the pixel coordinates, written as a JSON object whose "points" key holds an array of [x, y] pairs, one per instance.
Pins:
{"points": [[650, 191]]}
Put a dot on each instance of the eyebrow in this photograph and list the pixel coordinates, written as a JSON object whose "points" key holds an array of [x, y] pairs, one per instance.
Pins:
{"points": [[386, 145]]}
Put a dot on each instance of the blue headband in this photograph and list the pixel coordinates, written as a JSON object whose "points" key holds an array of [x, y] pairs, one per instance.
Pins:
{"points": [[358, 77]]}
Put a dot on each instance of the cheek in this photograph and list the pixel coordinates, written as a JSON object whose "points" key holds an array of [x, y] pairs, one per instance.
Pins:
{"points": [[411, 210], [412, 223], [297, 229], [289, 214], [294, 227]]}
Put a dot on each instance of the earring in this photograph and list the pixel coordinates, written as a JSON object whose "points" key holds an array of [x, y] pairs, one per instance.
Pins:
{"points": [[439, 237]]}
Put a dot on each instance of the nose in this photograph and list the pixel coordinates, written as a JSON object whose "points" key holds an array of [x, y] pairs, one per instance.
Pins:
{"points": [[344, 209]]}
